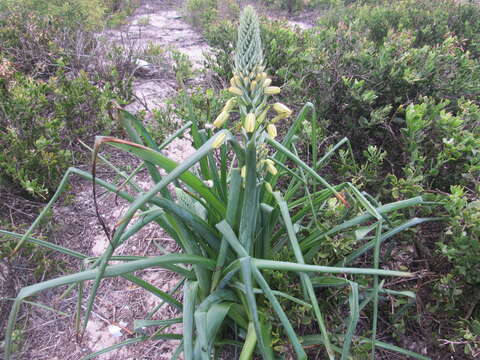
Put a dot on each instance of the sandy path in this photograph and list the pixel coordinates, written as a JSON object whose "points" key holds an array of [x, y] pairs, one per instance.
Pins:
{"points": [[159, 23]]}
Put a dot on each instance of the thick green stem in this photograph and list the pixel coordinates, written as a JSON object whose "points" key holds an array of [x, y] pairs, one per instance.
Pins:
{"points": [[250, 343]]}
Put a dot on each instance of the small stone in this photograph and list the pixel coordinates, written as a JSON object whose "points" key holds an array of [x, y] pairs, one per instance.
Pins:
{"points": [[115, 331], [144, 68]]}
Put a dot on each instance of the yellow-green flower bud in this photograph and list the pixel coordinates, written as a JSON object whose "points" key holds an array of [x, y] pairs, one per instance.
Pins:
{"points": [[253, 85], [250, 123], [235, 90], [280, 116], [268, 187], [262, 116], [236, 78], [243, 171], [267, 82], [221, 119], [272, 90], [219, 140], [272, 169], [230, 104], [263, 75], [272, 131], [232, 82], [281, 109]]}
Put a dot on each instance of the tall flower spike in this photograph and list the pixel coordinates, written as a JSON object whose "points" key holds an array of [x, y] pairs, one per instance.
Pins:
{"points": [[249, 54]]}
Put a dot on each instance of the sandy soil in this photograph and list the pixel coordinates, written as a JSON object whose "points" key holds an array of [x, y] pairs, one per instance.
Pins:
{"points": [[161, 23]]}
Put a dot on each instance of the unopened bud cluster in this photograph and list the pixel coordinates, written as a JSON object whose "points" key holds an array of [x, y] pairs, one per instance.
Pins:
{"points": [[251, 88], [250, 97]]}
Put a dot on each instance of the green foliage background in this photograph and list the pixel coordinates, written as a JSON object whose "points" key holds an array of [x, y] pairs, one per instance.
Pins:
{"points": [[49, 96]]}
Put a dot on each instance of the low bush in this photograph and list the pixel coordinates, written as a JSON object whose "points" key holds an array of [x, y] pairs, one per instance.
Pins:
{"points": [[462, 246], [441, 148], [40, 122], [41, 37], [61, 14], [429, 22], [296, 5], [361, 81], [367, 87], [58, 77], [117, 11], [200, 13]]}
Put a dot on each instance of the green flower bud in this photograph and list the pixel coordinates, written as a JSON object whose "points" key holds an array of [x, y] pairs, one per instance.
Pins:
{"points": [[250, 123], [272, 90], [221, 119]]}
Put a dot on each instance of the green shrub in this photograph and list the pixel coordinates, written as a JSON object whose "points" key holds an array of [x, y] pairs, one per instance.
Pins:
{"points": [[429, 22], [38, 35], [58, 79], [443, 148], [39, 123], [363, 84], [201, 12], [295, 5], [117, 11], [462, 238], [455, 296], [27, 39], [83, 14]]}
